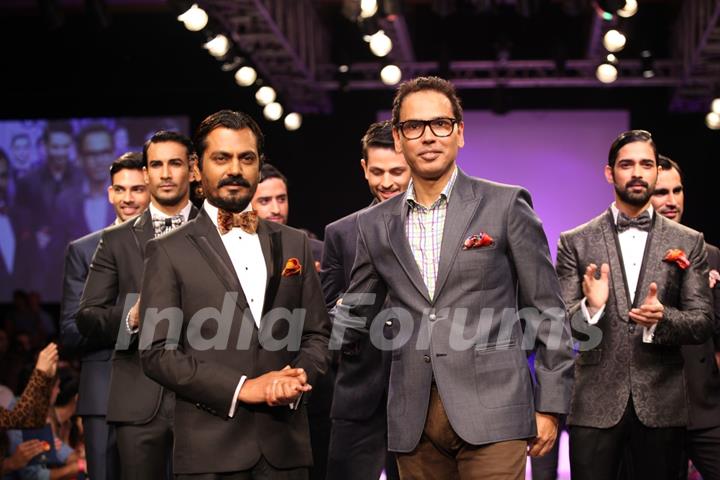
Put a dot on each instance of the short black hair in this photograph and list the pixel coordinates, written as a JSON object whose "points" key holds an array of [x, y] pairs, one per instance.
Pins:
{"points": [[378, 135], [667, 163], [268, 171], [631, 136], [127, 161], [232, 120], [56, 126], [18, 136], [421, 84], [90, 129], [162, 136]]}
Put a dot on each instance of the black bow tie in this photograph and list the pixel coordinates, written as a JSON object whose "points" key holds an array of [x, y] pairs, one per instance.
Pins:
{"points": [[642, 222], [163, 225]]}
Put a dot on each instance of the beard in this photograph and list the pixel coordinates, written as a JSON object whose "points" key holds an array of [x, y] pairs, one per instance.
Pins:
{"points": [[632, 198], [232, 203], [171, 201]]}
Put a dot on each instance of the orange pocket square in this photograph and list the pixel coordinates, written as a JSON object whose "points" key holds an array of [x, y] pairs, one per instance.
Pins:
{"points": [[292, 267]]}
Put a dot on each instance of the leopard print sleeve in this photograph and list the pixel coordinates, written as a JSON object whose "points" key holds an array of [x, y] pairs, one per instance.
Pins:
{"points": [[32, 407]]}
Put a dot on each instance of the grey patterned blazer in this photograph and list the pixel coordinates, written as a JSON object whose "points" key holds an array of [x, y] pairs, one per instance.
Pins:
{"points": [[622, 365]]}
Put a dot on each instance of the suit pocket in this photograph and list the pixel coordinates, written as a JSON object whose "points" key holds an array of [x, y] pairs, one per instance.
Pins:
{"points": [[482, 269], [502, 378], [591, 357]]}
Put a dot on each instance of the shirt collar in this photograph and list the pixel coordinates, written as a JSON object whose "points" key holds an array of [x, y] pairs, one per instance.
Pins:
{"points": [[185, 212], [445, 194], [616, 212], [212, 211]]}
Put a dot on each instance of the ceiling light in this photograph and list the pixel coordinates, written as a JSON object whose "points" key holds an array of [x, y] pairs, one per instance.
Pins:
{"points": [[606, 73], [715, 106], [380, 44], [245, 76], [194, 19], [368, 8], [614, 41], [273, 111], [390, 74], [630, 9], [218, 46], [293, 121], [265, 95], [712, 120]]}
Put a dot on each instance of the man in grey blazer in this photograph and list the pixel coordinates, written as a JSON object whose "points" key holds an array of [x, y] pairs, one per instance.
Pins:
{"points": [[457, 258], [129, 196], [635, 284], [359, 419], [702, 440]]}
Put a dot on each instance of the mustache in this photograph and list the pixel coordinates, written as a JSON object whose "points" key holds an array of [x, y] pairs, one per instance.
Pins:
{"points": [[634, 183], [234, 180]]}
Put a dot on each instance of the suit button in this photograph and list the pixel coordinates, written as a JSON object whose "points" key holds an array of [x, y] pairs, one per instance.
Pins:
{"points": [[388, 323], [631, 328], [432, 317], [426, 358]]}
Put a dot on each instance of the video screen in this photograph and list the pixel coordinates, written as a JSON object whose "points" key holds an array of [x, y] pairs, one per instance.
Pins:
{"points": [[54, 176]]}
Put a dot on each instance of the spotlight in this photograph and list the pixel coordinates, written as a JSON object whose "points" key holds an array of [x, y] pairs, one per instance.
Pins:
{"points": [[293, 121], [368, 8], [380, 44], [245, 76], [712, 120], [614, 41], [265, 95], [611, 59], [716, 106], [194, 19], [273, 111], [218, 46], [630, 9], [343, 68], [606, 73], [648, 64], [390, 74]]}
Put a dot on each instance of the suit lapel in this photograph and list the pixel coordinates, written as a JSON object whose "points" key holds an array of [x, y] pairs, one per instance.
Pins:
{"points": [[271, 244], [462, 206], [205, 237], [617, 270], [143, 232], [652, 258], [395, 224]]}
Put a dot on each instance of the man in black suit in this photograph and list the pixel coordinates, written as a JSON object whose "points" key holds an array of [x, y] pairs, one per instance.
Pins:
{"points": [[140, 408], [17, 245], [359, 421], [702, 379], [247, 331], [636, 286], [129, 196]]}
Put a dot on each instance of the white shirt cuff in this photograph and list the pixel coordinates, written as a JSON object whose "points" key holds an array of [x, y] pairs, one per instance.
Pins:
{"points": [[233, 405], [586, 313], [649, 334], [130, 330]]}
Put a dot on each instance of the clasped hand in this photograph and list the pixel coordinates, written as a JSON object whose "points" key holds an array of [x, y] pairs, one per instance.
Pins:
{"points": [[280, 387]]}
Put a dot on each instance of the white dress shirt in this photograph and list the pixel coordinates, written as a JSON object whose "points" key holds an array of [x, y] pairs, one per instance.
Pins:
{"points": [[248, 261], [185, 212], [7, 243], [632, 246]]}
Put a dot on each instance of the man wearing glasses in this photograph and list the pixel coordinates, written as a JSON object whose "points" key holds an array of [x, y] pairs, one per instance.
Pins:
{"points": [[457, 257]]}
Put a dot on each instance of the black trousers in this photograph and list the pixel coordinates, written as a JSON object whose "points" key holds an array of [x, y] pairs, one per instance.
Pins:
{"points": [[358, 449], [647, 453], [146, 450], [262, 471], [100, 448], [545, 467], [703, 448]]}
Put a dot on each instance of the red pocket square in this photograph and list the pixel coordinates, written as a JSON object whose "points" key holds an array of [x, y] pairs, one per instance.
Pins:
{"points": [[478, 241], [292, 267], [678, 256]]}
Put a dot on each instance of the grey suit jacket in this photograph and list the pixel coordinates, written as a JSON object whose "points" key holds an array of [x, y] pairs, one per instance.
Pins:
{"points": [[621, 364], [459, 337], [96, 366]]}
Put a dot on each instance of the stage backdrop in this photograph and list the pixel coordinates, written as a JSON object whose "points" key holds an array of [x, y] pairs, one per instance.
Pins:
{"points": [[558, 156], [52, 192]]}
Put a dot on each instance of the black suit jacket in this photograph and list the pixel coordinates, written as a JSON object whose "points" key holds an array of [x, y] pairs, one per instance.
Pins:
{"points": [[190, 270], [621, 365], [111, 290], [362, 379], [20, 274], [701, 371], [96, 354]]}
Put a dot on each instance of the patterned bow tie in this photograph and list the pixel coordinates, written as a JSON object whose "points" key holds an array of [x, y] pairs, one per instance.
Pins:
{"points": [[163, 225], [248, 221], [643, 222]]}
